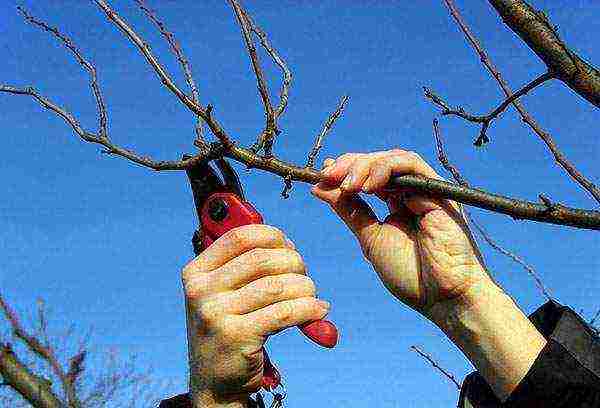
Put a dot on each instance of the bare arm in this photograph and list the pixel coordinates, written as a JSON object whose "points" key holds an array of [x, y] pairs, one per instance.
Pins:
{"points": [[424, 254]]}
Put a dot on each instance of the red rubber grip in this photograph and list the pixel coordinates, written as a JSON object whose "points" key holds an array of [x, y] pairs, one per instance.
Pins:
{"points": [[322, 332]]}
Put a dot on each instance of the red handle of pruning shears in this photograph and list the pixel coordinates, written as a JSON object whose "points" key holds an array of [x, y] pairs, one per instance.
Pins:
{"points": [[221, 206], [225, 211]]}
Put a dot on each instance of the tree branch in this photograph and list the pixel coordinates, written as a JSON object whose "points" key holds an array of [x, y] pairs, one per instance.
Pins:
{"points": [[534, 28], [485, 120], [102, 115], [518, 209], [183, 62], [436, 365], [559, 157], [287, 74], [312, 156], [266, 138], [453, 170], [93, 138], [35, 390], [167, 81], [44, 351]]}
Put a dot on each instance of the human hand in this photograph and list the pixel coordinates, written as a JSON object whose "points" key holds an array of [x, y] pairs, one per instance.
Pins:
{"points": [[425, 255], [423, 251], [248, 284]]}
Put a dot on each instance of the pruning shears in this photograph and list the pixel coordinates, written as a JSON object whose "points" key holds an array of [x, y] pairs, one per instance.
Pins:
{"points": [[221, 206]]}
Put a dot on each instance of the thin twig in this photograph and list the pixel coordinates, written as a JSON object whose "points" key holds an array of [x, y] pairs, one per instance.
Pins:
{"points": [[265, 140], [312, 156], [526, 117], [443, 157], [163, 75], [485, 120], [103, 117], [528, 268], [517, 209], [287, 186], [183, 61], [111, 148], [427, 357], [45, 351], [277, 59], [453, 170], [593, 319]]}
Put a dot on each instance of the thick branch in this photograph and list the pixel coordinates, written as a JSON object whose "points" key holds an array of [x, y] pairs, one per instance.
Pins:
{"points": [[517, 209], [527, 118], [534, 28], [555, 213], [32, 388]]}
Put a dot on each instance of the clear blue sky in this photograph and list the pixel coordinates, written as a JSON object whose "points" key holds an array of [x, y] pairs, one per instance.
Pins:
{"points": [[103, 241]]}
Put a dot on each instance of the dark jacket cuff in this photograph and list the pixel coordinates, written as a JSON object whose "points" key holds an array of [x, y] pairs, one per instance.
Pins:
{"points": [[565, 373]]}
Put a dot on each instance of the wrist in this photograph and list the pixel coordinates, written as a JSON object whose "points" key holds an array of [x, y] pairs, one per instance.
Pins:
{"points": [[493, 333], [208, 399]]}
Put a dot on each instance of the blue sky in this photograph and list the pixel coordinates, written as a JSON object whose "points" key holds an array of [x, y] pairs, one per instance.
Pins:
{"points": [[103, 241]]}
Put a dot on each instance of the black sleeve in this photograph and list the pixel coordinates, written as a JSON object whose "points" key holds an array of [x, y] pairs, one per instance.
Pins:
{"points": [[183, 401], [565, 374]]}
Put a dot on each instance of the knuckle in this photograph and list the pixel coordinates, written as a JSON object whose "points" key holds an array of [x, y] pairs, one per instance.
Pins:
{"points": [[397, 151], [346, 156], [188, 272], [197, 287], [209, 311], [258, 257], [295, 262], [308, 286], [283, 313], [414, 156], [271, 285], [237, 236]]}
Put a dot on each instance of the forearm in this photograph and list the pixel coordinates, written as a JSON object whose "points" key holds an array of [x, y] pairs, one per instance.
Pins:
{"points": [[493, 333]]}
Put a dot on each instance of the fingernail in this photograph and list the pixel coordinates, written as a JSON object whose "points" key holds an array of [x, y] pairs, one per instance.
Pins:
{"points": [[324, 304]]}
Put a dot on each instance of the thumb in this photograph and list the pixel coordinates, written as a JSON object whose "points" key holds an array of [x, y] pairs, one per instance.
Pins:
{"points": [[352, 209]]}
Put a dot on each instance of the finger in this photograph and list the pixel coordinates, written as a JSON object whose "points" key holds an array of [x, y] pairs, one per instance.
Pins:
{"points": [[353, 210], [357, 174], [255, 264], [421, 205], [260, 293], [338, 171], [396, 164], [281, 315], [328, 162], [234, 243]]}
